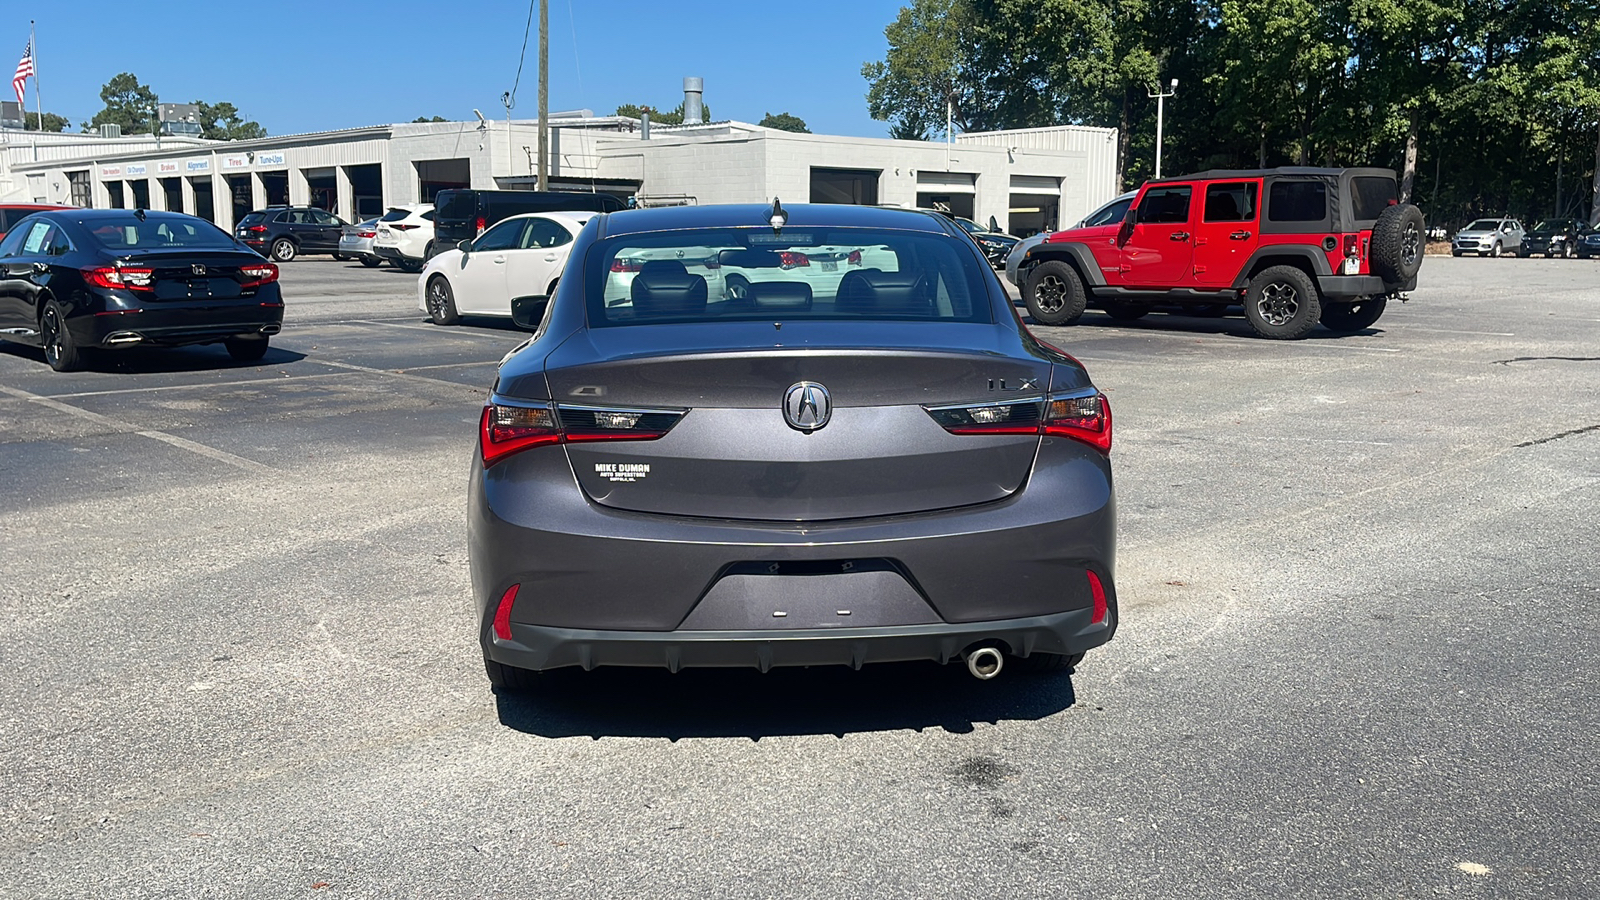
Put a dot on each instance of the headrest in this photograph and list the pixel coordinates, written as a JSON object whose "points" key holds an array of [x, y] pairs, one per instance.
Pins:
{"points": [[664, 287], [781, 294], [875, 291]]}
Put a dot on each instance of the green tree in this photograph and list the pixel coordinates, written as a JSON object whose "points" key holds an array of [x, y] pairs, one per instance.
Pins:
{"points": [[921, 79], [222, 122], [427, 120], [52, 122], [657, 117], [128, 103], [784, 122]]}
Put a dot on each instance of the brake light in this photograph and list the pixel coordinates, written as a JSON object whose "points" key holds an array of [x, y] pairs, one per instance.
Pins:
{"points": [[257, 229], [255, 276], [502, 613], [401, 226], [1086, 419], [121, 278], [506, 430], [792, 260], [1350, 244], [366, 234], [854, 259], [626, 265], [482, 224]]}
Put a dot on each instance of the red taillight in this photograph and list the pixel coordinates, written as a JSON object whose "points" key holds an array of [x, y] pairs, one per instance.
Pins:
{"points": [[854, 259], [401, 226], [626, 265], [1096, 589], [792, 260], [1350, 244], [366, 234], [502, 613], [482, 224], [121, 278], [1086, 419], [511, 429], [255, 276], [257, 229]]}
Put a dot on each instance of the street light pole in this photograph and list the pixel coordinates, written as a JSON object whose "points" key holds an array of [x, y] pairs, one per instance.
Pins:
{"points": [[1161, 109]]}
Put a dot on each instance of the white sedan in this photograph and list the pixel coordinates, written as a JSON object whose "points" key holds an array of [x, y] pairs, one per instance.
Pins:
{"points": [[522, 256]]}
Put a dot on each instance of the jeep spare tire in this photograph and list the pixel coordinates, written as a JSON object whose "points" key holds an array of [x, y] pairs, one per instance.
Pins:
{"points": [[1054, 293], [1397, 244]]}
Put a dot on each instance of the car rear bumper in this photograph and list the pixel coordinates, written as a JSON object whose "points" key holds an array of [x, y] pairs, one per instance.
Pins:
{"points": [[176, 324], [392, 253], [597, 586], [1347, 286]]}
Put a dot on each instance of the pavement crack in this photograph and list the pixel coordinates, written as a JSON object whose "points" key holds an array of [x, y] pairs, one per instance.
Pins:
{"points": [[1517, 359], [1556, 437]]}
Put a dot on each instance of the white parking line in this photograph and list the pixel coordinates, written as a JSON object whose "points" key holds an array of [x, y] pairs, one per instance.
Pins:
{"points": [[435, 329], [180, 387], [392, 373], [222, 456], [1453, 331]]}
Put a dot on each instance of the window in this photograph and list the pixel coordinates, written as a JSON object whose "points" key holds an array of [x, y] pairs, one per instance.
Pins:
{"points": [[78, 184], [12, 245], [1231, 202], [254, 218], [157, 231], [283, 218], [34, 243], [1165, 205], [1371, 195], [395, 215], [729, 274], [503, 236], [427, 216], [544, 233], [1107, 215], [1297, 201], [322, 217]]}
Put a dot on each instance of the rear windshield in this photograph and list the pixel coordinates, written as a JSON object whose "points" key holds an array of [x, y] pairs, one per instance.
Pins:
{"points": [[701, 275], [253, 218], [1371, 195], [458, 205], [157, 233], [395, 215]]}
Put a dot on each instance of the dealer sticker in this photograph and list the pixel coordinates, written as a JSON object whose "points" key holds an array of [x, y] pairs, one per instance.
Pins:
{"points": [[626, 472]]}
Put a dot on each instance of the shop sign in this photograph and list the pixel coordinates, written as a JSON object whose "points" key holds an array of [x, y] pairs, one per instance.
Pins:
{"points": [[110, 171], [166, 167], [198, 165], [135, 169], [270, 159], [234, 162]]}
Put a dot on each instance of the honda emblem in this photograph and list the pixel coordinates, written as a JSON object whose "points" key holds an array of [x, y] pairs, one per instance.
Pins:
{"points": [[198, 270]]}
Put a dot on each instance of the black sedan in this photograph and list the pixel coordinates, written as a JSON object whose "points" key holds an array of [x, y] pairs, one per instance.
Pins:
{"points": [[868, 461], [77, 280]]}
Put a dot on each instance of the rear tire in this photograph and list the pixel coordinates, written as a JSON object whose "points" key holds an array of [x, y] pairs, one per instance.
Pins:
{"points": [[246, 349], [1038, 663], [407, 264], [1282, 304], [1055, 294], [1495, 251], [340, 257], [371, 262], [60, 349], [1354, 316], [442, 302], [1127, 312], [510, 678], [1398, 243], [284, 250]]}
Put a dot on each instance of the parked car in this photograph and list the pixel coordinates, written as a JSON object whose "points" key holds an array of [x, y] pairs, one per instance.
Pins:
{"points": [[73, 281], [405, 236], [996, 244], [1296, 246], [1589, 247], [356, 243], [285, 232], [1553, 238], [522, 256], [11, 213], [888, 468], [1112, 211], [465, 214], [1489, 237]]}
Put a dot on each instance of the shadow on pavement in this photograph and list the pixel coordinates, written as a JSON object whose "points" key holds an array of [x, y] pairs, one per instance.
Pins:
{"points": [[197, 358], [622, 702], [1233, 325]]}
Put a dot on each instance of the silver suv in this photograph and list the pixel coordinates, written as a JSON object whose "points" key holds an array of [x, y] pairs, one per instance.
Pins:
{"points": [[1489, 237]]}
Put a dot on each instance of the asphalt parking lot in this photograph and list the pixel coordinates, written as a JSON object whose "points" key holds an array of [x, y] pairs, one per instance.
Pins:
{"points": [[1360, 594]]}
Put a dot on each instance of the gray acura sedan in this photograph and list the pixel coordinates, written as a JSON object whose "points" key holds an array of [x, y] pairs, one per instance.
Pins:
{"points": [[754, 436]]}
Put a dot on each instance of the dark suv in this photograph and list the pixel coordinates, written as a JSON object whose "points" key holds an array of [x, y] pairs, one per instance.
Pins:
{"points": [[1296, 246], [284, 232], [461, 215], [1554, 237]]}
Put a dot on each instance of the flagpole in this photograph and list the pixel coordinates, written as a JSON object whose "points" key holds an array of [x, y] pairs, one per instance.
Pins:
{"points": [[38, 103]]}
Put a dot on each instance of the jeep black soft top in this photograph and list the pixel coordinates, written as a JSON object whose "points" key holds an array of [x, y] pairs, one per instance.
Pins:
{"points": [[1370, 191]]}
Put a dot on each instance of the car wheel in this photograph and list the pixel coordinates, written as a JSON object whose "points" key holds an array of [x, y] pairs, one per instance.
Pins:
{"points": [[1495, 251], [1045, 662], [1354, 316], [1398, 243], [284, 250], [737, 287], [442, 302], [1055, 294], [1127, 312], [60, 349], [1455, 252], [340, 257], [1282, 303], [1569, 252], [246, 349], [371, 262], [509, 678], [407, 264]]}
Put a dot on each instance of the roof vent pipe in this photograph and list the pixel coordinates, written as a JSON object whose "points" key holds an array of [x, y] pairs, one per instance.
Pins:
{"points": [[693, 110], [644, 125]]}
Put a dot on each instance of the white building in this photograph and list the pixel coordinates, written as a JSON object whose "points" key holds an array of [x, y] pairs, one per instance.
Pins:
{"points": [[1026, 180]]}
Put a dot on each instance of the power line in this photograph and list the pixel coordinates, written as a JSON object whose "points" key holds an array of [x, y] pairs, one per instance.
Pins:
{"points": [[511, 97]]}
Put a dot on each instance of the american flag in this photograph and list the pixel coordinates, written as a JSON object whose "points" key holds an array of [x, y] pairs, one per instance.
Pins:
{"points": [[24, 69]]}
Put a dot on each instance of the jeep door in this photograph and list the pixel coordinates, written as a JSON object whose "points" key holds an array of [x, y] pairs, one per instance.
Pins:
{"points": [[1227, 232], [1159, 248]]}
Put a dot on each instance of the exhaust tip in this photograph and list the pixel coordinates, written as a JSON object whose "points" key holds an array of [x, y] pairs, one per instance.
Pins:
{"points": [[118, 338], [271, 329], [985, 663]]}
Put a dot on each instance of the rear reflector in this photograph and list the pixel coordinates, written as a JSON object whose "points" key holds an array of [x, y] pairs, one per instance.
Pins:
{"points": [[1086, 418], [511, 429], [1096, 589], [502, 613]]}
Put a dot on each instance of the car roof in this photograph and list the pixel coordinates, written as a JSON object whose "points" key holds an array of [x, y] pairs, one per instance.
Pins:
{"points": [[95, 215], [576, 217], [33, 206], [1303, 171], [801, 215]]}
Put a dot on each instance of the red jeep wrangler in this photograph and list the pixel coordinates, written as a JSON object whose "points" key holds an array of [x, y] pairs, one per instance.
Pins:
{"points": [[1296, 246]]}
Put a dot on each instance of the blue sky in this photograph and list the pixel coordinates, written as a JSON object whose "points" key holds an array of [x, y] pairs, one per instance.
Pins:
{"points": [[296, 66]]}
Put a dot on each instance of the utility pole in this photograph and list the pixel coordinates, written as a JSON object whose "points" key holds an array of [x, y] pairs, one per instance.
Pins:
{"points": [[544, 95], [1161, 110]]}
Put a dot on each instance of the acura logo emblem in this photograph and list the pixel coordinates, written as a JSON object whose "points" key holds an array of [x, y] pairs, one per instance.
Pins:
{"points": [[807, 406], [198, 270]]}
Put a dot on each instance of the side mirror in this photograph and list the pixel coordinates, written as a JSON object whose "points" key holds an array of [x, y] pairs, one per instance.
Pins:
{"points": [[465, 247], [528, 312], [994, 225]]}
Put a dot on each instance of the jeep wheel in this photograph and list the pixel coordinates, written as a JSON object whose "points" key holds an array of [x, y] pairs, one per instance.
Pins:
{"points": [[1397, 244], [1282, 303], [1127, 312], [1354, 316], [1055, 294]]}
